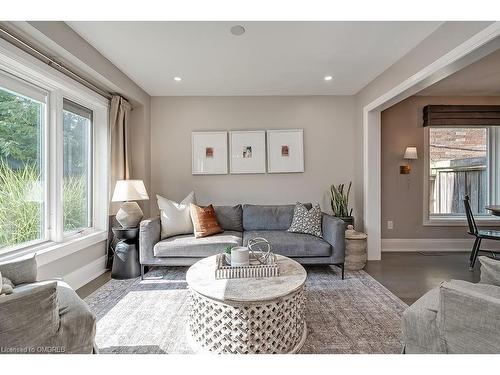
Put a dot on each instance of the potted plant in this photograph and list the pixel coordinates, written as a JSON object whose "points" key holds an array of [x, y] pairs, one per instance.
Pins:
{"points": [[227, 253], [340, 203]]}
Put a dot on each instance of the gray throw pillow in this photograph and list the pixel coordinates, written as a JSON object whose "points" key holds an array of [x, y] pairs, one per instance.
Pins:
{"points": [[490, 271], [306, 221]]}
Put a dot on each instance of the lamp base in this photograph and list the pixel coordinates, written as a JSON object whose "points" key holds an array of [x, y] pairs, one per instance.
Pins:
{"points": [[129, 215]]}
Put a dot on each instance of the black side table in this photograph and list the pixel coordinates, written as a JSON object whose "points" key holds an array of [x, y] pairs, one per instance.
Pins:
{"points": [[126, 258]]}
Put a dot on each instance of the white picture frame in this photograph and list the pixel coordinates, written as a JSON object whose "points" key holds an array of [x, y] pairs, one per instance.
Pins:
{"points": [[209, 153], [285, 151], [247, 152]]}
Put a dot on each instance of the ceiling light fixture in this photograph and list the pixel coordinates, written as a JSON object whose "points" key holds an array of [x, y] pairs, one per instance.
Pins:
{"points": [[237, 30], [178, 79], [328, 78]]}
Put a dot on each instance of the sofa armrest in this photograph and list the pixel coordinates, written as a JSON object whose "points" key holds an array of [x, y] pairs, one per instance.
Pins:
{"points": [[149, 236], [334, 233], [29, 318], [20, 271], [468, 317]]}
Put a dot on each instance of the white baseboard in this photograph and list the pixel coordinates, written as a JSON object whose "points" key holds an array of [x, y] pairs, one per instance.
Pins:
{"points": [[87, 273], [435, 244]]}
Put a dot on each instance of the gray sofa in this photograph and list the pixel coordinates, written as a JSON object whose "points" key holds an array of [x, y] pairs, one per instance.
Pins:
{"points": [[42, 316], [457, 317], [241, 223]]}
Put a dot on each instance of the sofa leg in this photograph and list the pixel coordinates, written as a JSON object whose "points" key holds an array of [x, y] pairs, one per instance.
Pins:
{"points": [[142, 272], [342, 271]]}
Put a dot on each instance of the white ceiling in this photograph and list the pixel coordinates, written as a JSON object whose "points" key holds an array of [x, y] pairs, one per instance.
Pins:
{"points": [[271, 58], [481, 78]]}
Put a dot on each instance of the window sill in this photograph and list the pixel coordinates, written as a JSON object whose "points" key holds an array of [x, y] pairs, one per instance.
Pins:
{"points": [[489, 221], [48, 252]]}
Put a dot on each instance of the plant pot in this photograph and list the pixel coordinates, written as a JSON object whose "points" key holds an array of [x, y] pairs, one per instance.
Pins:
{"points": [[349, 220]]}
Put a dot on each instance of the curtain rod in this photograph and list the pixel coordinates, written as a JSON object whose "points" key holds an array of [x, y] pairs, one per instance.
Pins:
{"points": [[15, 40]]}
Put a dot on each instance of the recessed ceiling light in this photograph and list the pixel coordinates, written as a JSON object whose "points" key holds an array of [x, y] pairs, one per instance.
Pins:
{"points": [[237, 30], [328, 78], [178, 79]]}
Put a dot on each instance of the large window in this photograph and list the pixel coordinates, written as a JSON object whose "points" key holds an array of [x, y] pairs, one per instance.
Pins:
{"points": [[53, 160], [77, 135], [22, 177], [459, 164]]}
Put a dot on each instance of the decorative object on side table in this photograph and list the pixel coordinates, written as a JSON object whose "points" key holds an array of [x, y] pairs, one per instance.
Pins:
{"points": [[126, 254], [340, 203], [129, 191], [355, 249]]}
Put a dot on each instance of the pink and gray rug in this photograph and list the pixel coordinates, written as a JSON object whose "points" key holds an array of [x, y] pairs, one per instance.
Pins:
{"points": [[355, 315]]}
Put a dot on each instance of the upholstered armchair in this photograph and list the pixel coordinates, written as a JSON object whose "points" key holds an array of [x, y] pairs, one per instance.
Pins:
{"points": [[42, 316]]}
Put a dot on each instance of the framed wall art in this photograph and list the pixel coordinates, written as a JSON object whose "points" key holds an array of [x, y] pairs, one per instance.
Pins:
{"points": [[209, 152], [247, 152], [285, 151]]}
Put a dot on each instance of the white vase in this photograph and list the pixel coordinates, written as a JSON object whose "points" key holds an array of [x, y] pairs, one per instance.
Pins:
{"points": [[240, 256]]}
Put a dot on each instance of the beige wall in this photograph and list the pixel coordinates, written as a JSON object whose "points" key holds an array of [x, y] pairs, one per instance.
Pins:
{"points": [[328, 146], [402, 195], [440, 42]]}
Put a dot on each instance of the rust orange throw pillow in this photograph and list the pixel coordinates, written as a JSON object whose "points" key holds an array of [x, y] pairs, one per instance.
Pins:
{"points": [[204, 221]]}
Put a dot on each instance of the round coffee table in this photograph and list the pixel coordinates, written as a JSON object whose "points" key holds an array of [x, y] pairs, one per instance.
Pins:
{"points": [[251, 315]]}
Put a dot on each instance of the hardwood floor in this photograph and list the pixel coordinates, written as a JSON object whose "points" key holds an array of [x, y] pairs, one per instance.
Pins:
{"points": [[407, 275], [410, 275]]}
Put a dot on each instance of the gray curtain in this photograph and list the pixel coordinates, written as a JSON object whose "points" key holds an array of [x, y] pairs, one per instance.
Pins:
{"points": [[120, 150]]}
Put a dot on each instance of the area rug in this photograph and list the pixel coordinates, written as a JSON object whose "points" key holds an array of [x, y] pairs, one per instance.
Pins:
{"points": [[355, 315]]}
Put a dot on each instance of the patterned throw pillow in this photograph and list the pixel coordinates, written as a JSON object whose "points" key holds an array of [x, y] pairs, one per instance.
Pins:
{"points": [[306, 221]]}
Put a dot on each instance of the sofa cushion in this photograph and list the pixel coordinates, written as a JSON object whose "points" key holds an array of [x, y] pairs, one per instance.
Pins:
{"points": [[204, 221], [307, 221], [188, 246], [175, 217], [230, 217], [259, 217], [76, 323], [490, 271], [420, 327], [292, 244]]}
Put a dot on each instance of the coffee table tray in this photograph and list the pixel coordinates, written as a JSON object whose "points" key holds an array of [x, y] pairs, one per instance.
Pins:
{"points": [[225, 271]]}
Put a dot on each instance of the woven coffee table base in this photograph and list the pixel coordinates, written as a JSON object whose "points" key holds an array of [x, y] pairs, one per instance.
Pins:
{"points": [[269, 327]]}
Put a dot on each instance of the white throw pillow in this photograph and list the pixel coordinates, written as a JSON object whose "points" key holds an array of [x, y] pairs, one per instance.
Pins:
{"points": [[175, 217]]}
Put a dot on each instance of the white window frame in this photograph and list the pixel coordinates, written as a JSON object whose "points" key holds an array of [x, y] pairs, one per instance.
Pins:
{"points": [[493, 193], [58, 86]]}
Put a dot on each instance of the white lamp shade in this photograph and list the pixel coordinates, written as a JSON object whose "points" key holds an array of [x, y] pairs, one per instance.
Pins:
{"points": [[411, 153], [129, 190]]}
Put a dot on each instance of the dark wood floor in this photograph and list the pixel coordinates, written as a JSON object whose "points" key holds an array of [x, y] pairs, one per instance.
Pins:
{"points": [[410, 275], [407, 275]]}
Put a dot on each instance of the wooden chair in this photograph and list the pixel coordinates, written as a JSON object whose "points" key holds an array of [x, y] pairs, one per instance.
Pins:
{"points": [[479, 234]]}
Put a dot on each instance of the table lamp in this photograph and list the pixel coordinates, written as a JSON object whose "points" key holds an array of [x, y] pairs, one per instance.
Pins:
{"points": [[128, 191]]}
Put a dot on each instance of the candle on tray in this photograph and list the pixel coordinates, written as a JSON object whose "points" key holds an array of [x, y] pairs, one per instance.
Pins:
{"points": [[240, 256]]}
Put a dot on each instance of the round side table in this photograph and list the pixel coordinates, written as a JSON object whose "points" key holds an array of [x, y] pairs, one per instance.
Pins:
{"points": [[126, 258]]}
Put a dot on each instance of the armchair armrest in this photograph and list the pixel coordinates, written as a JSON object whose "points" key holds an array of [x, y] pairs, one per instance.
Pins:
{"points": [[149, 235], [20, 271], [29, 318], [468, 317], [333, 230]]}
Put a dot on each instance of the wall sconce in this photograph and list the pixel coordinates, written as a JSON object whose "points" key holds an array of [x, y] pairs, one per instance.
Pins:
{"points": [[410, 154]]}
